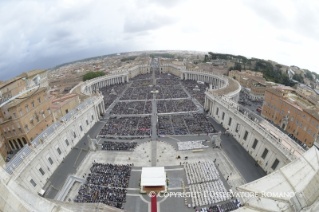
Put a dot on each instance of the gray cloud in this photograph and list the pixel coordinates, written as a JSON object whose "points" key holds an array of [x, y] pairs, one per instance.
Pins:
{"points": [[146, 22], [162, 3], [300, 17]]}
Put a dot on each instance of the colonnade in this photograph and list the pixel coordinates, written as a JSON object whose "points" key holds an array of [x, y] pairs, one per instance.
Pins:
{"points": [[208, 78], [101, 82]]}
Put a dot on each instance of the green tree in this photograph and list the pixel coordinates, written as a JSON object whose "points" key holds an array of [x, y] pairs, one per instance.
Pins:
{"points": [[298, 77], [237, 66], [91, 75]]}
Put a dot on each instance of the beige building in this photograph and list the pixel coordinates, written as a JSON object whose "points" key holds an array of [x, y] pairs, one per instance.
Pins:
{"points": [[305, 90], [253, 84], [26, 112], [295, 113]]}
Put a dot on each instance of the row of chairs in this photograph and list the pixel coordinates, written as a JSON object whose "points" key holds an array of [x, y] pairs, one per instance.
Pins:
{"points": [[208, 193], [203, 171], [188, 145]]}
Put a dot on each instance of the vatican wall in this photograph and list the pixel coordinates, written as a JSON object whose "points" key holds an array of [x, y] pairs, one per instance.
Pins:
{"points": [[50, 151], [270, 153]]}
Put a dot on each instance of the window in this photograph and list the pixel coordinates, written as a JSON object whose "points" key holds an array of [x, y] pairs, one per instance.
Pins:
{"points": [[237, 128], [223, 116], [67, 142], [27, 108], [33, 183], [50, 160], [58, 150], [92, 117], [217, 110], [32, 103], [87, 123], [292, 118], [39, 100], [304, 116], [312, 122], [74, 135], [81, 128], [317, 126], [309, 131], [275, 164], [274, 108], [41, 170], [308, 118], [300, 124], [26, 128], [255, 144], [305, 128], [15, 116], [264, 153], [282, 112], [21, 113], [314, 135], [229, 122], [297, 122], [246, 135], [66, 111]]}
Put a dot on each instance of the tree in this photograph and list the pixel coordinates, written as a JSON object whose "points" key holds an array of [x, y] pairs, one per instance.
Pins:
{"points": [[298, 77], [237, 66], [91, 75]]}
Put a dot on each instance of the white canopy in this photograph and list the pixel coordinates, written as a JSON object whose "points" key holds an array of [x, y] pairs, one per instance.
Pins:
{"points": [[153, 176]]}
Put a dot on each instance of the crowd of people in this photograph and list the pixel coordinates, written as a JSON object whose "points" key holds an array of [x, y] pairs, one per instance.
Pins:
{"points": [[175, 106], [138, 93], [199, 95], [106, 183], [107, 93], [170, 91], [138, 107], [119, 146], [184, 124], [126, 126]]}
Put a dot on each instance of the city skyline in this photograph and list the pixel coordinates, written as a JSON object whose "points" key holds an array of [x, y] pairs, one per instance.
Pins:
{"points": [[40, 35]]}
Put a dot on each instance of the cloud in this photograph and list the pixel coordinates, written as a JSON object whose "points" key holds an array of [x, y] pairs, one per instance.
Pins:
{"points": [[146, 22], [41, 34], [162, 3]]}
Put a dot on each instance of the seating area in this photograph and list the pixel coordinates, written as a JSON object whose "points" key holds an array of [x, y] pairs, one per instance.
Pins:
{"points": [[189, 145], [204, 171], [138, 93], [126, 126], [118, 146], [138, 107], [108, 97], [225, 207], [171, 91], [208, 193], [197, 94], [205, 184], [184, 125], [106, 183], [175, 106]]}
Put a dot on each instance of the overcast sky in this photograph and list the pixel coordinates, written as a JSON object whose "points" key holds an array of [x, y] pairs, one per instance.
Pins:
{"points": [[41, 34]]}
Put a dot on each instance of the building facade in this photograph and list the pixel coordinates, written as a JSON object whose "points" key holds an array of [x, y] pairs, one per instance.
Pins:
{"points": [[293, 112]]}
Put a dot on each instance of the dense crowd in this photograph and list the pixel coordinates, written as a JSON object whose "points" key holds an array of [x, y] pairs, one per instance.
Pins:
{"points": [[138, 93], [108, 97], [105, 184], [120, 146], [184, 124], [138, 107], [171, 91], [175, 106], [197, 94], [126, 126]]}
